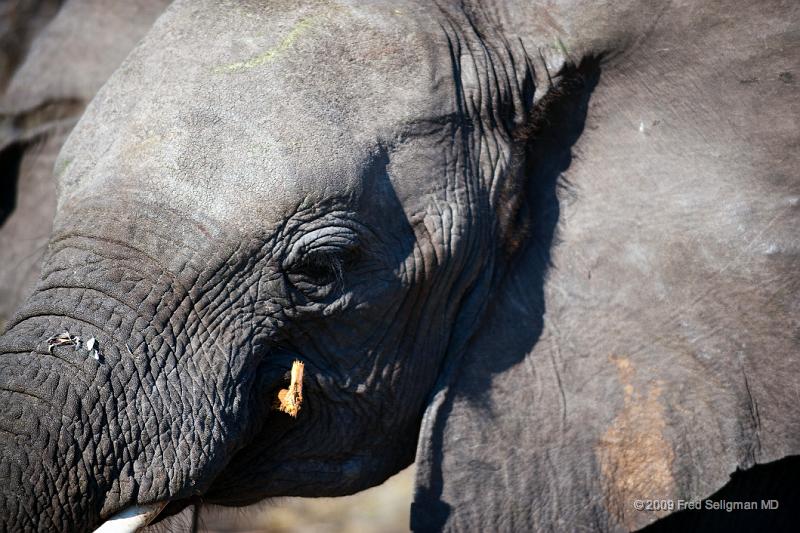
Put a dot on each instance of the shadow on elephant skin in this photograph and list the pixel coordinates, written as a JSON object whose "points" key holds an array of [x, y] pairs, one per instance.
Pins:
{"points": [[557, 123]]}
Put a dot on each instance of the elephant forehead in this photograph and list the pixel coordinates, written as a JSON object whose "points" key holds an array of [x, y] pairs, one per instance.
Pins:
{"points": [[284, 103]]}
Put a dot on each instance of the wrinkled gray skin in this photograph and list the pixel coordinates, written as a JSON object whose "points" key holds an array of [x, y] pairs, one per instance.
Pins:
{"points": [[372, 189]]}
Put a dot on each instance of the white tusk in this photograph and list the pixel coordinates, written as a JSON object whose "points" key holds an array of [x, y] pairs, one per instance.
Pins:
{"points": [[131, 519]]}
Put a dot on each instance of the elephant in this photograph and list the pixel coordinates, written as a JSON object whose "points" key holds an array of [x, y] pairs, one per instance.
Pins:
{"points": [[50, 67], [546, 250]]}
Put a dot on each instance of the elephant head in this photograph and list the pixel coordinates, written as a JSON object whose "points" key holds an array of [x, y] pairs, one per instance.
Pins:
{"points": [[373, 191]]}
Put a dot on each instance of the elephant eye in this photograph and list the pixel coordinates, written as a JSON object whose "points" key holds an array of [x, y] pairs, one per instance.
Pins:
{"points": [[317, 262], [318, 274], [319, 268]]}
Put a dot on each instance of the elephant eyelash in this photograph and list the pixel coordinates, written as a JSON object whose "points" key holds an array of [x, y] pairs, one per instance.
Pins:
{"points": [[321, 267], [325, 265]]}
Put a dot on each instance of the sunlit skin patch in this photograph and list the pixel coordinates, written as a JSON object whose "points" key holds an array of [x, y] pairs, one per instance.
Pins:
{"points": [[290, 400]]}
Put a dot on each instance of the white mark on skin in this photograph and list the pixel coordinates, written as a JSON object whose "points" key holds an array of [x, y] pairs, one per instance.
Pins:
{"points": [[641, 126], [92, 347], [63, 339], [67, 339]]}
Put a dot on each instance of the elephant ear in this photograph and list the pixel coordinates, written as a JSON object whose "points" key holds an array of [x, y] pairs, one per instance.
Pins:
{"points": [[651, 349]]}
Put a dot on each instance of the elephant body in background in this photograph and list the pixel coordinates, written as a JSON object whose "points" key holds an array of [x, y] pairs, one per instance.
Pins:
{"points": [[548, 250], [55, 56]]}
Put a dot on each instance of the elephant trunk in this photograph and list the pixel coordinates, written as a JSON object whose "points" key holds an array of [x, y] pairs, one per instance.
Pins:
{"points": [[63, 451], [108, 396]]}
